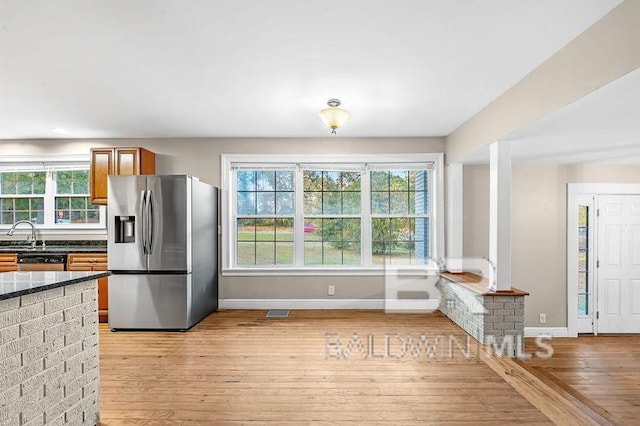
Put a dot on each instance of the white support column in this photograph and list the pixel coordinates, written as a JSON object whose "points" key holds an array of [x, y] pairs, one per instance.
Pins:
{"points": [[500, 215], [455, 234]]}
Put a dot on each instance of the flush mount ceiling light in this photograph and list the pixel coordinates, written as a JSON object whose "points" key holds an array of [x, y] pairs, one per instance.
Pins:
{"points": [[334, 117]]}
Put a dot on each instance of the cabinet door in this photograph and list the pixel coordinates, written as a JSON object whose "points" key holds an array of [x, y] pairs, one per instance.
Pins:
{"points": [[103, 299], [93, 262], [97, 260], [79, 268], [127, 161], [8, 262], [101, 167], [8, 258], [4, 267]]}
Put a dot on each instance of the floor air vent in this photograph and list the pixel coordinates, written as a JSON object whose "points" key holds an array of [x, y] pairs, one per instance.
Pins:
{"points": [[278, 313]]}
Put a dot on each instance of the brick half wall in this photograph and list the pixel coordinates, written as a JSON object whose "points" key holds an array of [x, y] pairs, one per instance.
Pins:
{"points": [[487, 318], [49, 370]]}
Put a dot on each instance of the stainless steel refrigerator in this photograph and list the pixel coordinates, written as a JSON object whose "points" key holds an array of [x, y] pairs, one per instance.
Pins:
{"points": [[162, 247]]}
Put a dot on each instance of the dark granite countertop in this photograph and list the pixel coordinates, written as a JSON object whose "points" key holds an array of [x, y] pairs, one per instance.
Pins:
{"points": [[56, 247], [14, 284]]}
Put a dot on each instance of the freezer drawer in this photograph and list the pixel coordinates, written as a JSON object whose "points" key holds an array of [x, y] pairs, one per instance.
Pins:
{"points": [[148, 301]]}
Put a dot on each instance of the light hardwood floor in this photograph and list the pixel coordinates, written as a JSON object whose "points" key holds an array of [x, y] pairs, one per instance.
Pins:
{"points": [[238, 367], [599, 373]]}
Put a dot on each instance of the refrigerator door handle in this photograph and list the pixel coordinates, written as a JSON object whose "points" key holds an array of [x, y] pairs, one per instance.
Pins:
{"points": [[143, 196], [150, 221]]}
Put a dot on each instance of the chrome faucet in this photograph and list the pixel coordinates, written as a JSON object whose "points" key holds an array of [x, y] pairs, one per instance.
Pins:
{"points": [[31, 238]]}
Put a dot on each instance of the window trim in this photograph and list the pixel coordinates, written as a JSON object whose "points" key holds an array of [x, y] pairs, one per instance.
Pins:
{"points": [[264, 161], [50, 164]]}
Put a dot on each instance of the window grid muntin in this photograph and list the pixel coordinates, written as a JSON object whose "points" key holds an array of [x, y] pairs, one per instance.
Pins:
{"points": [[14, 195], [35, 180], [332, 182], [255, 187], [73, 207], [410, 189], [276, 241], [411, 242], [340, 190], [376, 218], [256, 190], [14, 212], [341, 242]]}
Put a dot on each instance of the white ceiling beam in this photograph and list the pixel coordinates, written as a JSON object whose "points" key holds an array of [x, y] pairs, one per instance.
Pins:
{"points": [[604, 52]]}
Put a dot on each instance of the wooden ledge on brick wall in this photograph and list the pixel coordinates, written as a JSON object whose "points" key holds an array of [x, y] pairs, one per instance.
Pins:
{"points": [[479, 284]]}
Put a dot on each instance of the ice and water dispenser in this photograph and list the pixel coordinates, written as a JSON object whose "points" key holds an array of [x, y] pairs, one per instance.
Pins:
{"points": [[125, 227]]}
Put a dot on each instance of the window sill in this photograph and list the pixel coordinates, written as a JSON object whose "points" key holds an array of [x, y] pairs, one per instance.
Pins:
{"points": [[329, 272]]}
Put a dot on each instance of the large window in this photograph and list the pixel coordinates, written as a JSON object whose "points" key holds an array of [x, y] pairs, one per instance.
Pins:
{"points": [[50, 195], [333, 214]]}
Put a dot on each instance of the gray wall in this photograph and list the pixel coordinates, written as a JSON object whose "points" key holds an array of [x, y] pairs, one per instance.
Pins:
{"points": [[539, 210], [201, 157], [538, 236]]}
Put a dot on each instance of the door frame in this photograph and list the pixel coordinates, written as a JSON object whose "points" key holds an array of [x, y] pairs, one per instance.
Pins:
{"points": [[576, 192]]}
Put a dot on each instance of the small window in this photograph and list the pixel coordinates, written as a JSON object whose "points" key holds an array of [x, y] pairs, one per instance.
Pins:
{"points": [[72, 201], [583, 261], [22, 197]]}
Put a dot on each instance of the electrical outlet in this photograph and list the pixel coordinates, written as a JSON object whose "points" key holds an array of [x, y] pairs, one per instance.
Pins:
{"points": [[543, 318], [331, 290]]}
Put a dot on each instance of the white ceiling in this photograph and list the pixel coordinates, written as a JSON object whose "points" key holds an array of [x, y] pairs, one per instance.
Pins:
{"points": [[602, 127], [161, 68]]}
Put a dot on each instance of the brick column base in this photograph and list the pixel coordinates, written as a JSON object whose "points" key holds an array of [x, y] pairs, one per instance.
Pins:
{"points": [[49, 357]]}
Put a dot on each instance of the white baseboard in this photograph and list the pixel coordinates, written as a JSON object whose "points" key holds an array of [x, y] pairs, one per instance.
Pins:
{"points": [[547, 331], [301, 304]]}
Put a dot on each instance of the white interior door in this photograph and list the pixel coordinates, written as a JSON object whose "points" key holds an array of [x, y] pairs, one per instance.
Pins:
{"points": [[619, 264]]}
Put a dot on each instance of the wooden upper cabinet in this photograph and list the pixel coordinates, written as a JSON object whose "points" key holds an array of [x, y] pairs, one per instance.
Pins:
{"points": [[134, 161], [127, 162], [117, 161], [101, 167]]}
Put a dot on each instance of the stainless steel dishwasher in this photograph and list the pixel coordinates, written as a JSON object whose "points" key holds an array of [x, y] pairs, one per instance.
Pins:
{"points": [[41, 262]]}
